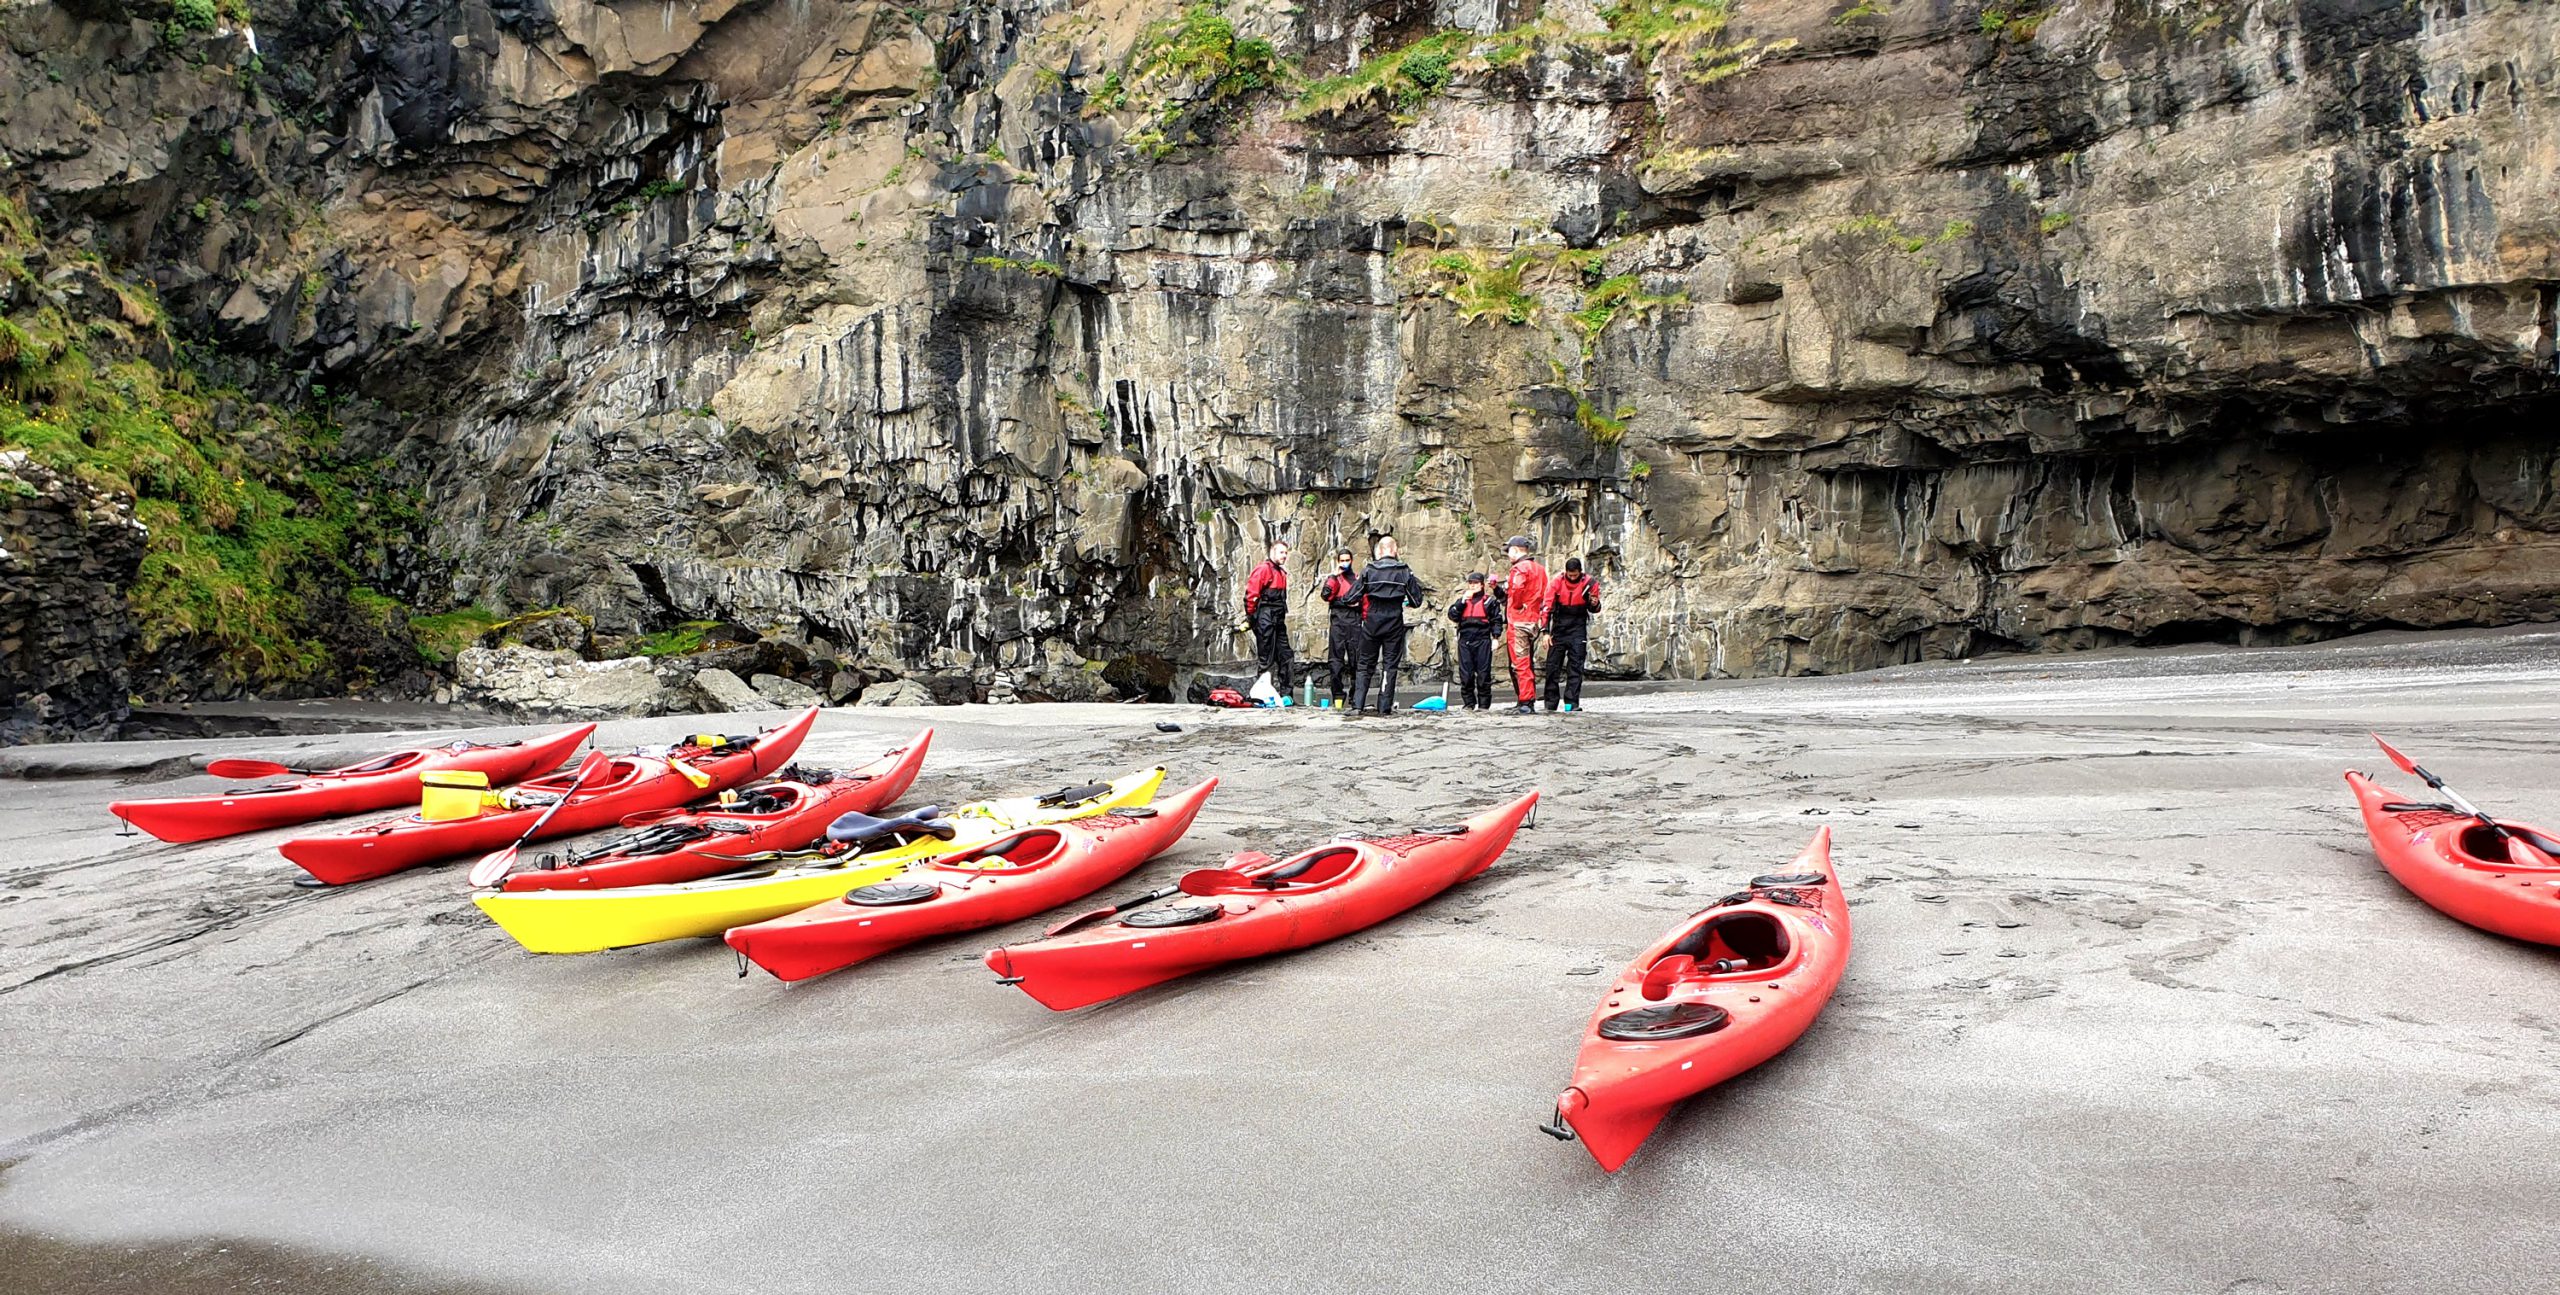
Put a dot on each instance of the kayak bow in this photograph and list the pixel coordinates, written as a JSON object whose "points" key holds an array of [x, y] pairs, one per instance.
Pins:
{"points": [[379, 783]]}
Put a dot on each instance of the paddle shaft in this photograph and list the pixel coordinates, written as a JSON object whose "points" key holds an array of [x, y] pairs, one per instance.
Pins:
{"points": [[1168, 892], [2459, 802], [554, 807], [2520, 851]]}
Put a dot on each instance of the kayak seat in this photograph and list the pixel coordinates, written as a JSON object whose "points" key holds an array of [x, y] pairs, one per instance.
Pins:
{"points": [[1733, 942], [855, 828]]}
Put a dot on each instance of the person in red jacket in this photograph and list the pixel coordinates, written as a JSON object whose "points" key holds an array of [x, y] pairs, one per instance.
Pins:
{"points": [[1525, 604], [1341, 594], [1266, 612], [1572, 599]]}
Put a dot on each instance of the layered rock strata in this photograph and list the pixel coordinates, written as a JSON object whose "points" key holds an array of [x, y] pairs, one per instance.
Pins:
{"points": [[1833, 335]]}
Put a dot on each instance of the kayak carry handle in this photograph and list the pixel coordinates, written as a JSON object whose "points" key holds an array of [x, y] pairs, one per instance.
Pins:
{"points": [[1559, 1130]]}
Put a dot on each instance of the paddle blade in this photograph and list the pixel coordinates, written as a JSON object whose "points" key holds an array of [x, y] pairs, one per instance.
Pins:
{"points": [[494, 869], [1664, 974], [2407, 765], [2525, 854], [1214, 881], [246, 769], [692, 775]]}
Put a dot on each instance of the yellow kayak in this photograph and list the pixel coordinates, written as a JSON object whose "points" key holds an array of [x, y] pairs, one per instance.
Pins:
{"points": [[585, 921]]}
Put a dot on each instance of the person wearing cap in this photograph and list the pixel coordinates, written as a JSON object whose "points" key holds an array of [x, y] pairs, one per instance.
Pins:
{"points": [[1525, 612], [1572, 599], [1341, 594], [1479, 617], [1387, 587], [1266, 611]]}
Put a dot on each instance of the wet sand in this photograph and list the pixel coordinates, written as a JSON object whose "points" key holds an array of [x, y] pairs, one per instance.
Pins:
{"points": [[2132, 1008]]}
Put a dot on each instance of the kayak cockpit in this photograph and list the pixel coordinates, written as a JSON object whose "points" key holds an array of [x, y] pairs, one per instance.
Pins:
{"points": [[1733, 943], [2484, 848], [1317, 868], [393, 762], [1020, 852], [543, 791]]}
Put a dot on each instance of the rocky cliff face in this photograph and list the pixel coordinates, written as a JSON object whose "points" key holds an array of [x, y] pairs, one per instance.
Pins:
{"points": [[66, 552], [1835, 335]]}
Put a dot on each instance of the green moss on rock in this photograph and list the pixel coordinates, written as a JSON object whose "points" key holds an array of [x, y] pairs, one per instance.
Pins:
{"points": [[253, 508]]}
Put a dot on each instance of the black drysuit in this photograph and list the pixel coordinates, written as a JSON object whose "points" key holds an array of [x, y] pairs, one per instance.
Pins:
{"points": [[1341, 594], [1386, 589], [1479, 618], [1571, 599]]}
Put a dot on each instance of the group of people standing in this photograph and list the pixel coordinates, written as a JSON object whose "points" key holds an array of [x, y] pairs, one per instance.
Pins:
{"points": [[1366, 646]]}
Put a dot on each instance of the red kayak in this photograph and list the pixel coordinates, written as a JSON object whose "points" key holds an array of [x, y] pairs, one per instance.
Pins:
{"points": [[1726, 990], [1011, 877], [1309, 898], [688, 845], [355, 789], [630, 784], [2460, 865]]}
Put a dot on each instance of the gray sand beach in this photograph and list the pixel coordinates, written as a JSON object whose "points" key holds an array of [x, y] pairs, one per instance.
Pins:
{"points": [[2132, 1008]]}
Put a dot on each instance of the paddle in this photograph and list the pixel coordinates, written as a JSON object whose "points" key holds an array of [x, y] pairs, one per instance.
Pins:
{"points": [[1666, 973], [1211, 881], [2520, 852], [239, 768], [692, 775], [494, 869], [1249, 859]]}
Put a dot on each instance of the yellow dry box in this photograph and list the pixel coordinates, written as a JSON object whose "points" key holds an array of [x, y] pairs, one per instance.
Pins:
{"points": [[452, 793]]}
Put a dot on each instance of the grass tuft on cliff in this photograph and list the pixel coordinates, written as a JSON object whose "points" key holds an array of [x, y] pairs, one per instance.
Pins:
{"points": [[1652, 26], [1187, 74], [1679, 37], [250, 507], [1405, 78]]}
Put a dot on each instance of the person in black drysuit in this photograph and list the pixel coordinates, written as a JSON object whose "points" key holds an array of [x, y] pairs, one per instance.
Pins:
{"points": [[1387, 587], [1479, 617], [1572, 598], [1341, 594]]}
